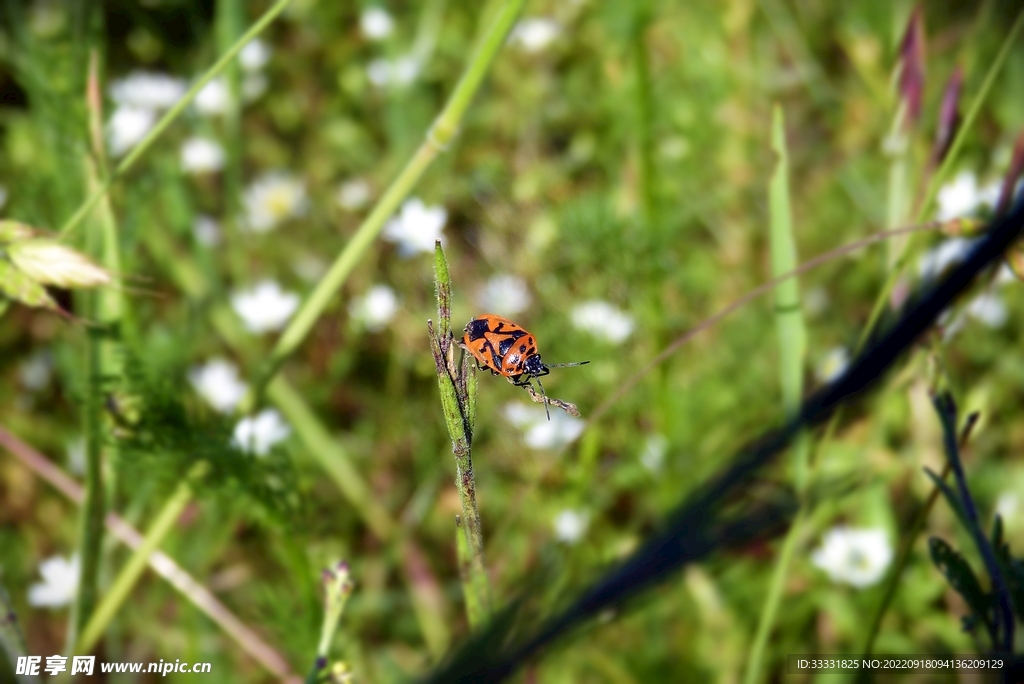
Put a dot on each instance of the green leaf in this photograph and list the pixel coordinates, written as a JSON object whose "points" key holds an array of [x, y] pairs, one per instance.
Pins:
{"points": [[21, 288], [960, 576]]}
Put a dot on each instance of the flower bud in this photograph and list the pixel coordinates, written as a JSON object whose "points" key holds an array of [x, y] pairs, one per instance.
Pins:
{"points": [[51, 263]]}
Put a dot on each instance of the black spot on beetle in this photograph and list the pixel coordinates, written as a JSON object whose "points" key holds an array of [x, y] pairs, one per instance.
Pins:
{"points": [[476, 329]]}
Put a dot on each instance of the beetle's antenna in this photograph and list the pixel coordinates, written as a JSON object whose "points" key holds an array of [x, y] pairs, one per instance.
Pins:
{"points": [[545, 397], [564, 365]]}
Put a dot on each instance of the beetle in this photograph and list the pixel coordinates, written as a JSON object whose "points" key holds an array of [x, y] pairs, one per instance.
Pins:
{"points": [[506, 348]]}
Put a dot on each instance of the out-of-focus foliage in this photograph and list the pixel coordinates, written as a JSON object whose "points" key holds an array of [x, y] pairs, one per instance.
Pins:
{"points": [[615, 164]]}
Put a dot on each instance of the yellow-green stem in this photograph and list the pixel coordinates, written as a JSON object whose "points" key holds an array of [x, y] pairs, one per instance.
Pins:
{"points": [[132, 570]]}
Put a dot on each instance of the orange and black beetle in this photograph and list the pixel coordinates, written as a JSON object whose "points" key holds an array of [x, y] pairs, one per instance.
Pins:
{"points": [[507, 349]]}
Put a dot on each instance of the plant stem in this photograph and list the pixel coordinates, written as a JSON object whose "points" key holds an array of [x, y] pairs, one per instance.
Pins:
{"points": [[458, 403], [644, 136], [172, 114], [131, 571], [437, 139], [791, 332], [161, 563]]}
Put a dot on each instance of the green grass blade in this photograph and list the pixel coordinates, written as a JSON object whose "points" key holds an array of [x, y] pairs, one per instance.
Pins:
{"points": [[791, 333]]}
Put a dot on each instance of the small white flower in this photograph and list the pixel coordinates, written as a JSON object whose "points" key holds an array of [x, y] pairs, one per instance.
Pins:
{"points": [[416, 227], [376, 23], [147, 90], [354, 194], [603, 320], [989, 309], [535, 33], [206, 231], [265, 307], [127, 126], [858, 557], [218, 383], [833, 364], [201, 155], [963, 197], [213, 98], [59, 585], [1007, 505], [258, 434], [254, 56], [272, 199], [376, 308], [947, 253], [539, 432], [570, 525], [35, 372], [653, 455], [253, 85], [398, 72], [505, 294]]}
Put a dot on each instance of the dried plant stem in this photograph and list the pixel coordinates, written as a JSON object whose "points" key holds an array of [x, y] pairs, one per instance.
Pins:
{"points": [[159, 562], [438, 137]]}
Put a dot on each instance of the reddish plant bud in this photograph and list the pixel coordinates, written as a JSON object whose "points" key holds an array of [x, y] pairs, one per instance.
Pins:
{"points": [[911, 67], [949, 116]]}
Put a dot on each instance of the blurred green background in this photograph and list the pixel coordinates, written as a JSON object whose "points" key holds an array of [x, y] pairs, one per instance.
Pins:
{"points": [[608, 190]]}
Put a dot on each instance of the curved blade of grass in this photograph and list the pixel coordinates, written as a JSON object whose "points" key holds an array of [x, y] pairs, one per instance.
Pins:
{"points": [[437, 139], [791, 333], [171, 115]]}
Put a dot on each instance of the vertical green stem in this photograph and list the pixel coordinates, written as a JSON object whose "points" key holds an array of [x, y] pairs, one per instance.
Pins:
{"points": [[792, 336], [458, 401], [441, 133], [644, 136]]}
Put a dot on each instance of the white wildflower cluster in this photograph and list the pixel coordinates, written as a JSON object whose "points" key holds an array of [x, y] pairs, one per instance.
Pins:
{"points": [[416, 227], [218, 382], [265, 307], [858, 557], [603, 320], [272, 199], [142, 96], [376, 24], [59, 585], [832, 364], [538, 431], [258, 434], [375, 309], [506, 295], [570, 525], [535, 34]]}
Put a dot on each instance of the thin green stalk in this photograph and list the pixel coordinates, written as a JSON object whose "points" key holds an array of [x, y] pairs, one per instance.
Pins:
{"points": [[644, 136], [171, 115], [458, 403], [438, 137], [132, 570], [791, 332], [105, 369]]}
